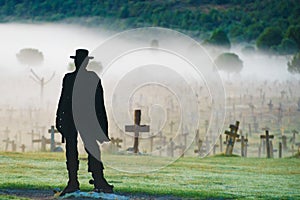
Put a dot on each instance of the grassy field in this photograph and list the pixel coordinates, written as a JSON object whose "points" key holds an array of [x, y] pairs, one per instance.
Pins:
{"points": [[215, 177]]}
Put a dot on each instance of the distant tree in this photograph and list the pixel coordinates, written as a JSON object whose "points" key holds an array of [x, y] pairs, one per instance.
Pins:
{"points": [[219, 38], [71, 66], [287, 47], [30, 57], [294, 64], [293, 33], [269, 39], [248, 50], [229, 62]]}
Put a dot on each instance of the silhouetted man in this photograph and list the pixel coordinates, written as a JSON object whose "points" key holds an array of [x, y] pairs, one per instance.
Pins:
{"points": [[81, 108]]}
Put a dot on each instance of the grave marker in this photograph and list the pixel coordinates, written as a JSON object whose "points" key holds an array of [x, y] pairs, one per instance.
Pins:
{"points": [[171, 148], [198, 143], [231, 136], [137, 129], [52, 131], [244, 144], [268, 147], [116, 142]]}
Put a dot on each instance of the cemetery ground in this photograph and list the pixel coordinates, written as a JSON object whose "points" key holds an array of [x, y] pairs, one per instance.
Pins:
{"points": [[34, 175]]}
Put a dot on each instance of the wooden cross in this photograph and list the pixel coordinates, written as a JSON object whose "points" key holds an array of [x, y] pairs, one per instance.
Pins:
{"points": [[230, 137], [184, 135], [270, 105], [182, 148], [198, 143], [220, 143], [171, 147], [171, 127], [23, 147], [267, 137], [293, 139], [280, 150], [284, 139], [207, 145], [116, 142], [152, 136], [255, 124], [206, 126], [7, 142], [32, 137], [43, 142], [137, 129], [52, 131], [244, 144]]}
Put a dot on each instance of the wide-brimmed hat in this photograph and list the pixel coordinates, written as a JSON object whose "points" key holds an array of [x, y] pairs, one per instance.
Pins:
{"points": [[82, 54]]}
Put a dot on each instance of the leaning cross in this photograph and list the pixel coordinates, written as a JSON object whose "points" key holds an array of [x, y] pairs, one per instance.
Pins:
{"points": [[267, 137], [231, 135], [137, 129]]}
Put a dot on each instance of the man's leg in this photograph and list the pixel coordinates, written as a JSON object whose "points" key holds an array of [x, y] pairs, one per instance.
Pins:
{"points": [[72, 163], [96, 167]]}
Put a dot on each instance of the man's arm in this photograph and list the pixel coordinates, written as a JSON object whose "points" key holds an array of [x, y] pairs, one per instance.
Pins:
{"points": [[100, 109]]}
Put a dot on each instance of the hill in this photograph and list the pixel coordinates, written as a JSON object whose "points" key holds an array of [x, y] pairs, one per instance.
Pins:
{"points": [[243, 20]]}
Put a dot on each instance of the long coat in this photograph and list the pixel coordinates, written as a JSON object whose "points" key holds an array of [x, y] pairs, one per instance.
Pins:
{"points": [[81, 107]]}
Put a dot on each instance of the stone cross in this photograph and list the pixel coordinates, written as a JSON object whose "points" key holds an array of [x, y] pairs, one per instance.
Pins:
{"points": [[267, 137], [137, 129], [52, 131], [231, 136]]}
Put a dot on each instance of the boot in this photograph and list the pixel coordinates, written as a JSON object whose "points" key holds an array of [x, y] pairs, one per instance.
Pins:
{"points": [[73, 184], [100, 183]]}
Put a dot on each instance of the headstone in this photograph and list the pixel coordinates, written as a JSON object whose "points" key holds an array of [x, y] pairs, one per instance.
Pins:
{"points": [[137, 129]]}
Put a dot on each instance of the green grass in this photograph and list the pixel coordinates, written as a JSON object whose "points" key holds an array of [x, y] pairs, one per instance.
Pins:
{"points": [[211, 177], [9, 197]]}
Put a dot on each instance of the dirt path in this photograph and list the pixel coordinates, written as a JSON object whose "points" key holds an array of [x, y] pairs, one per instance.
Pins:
{"points": [[48, 194]]}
